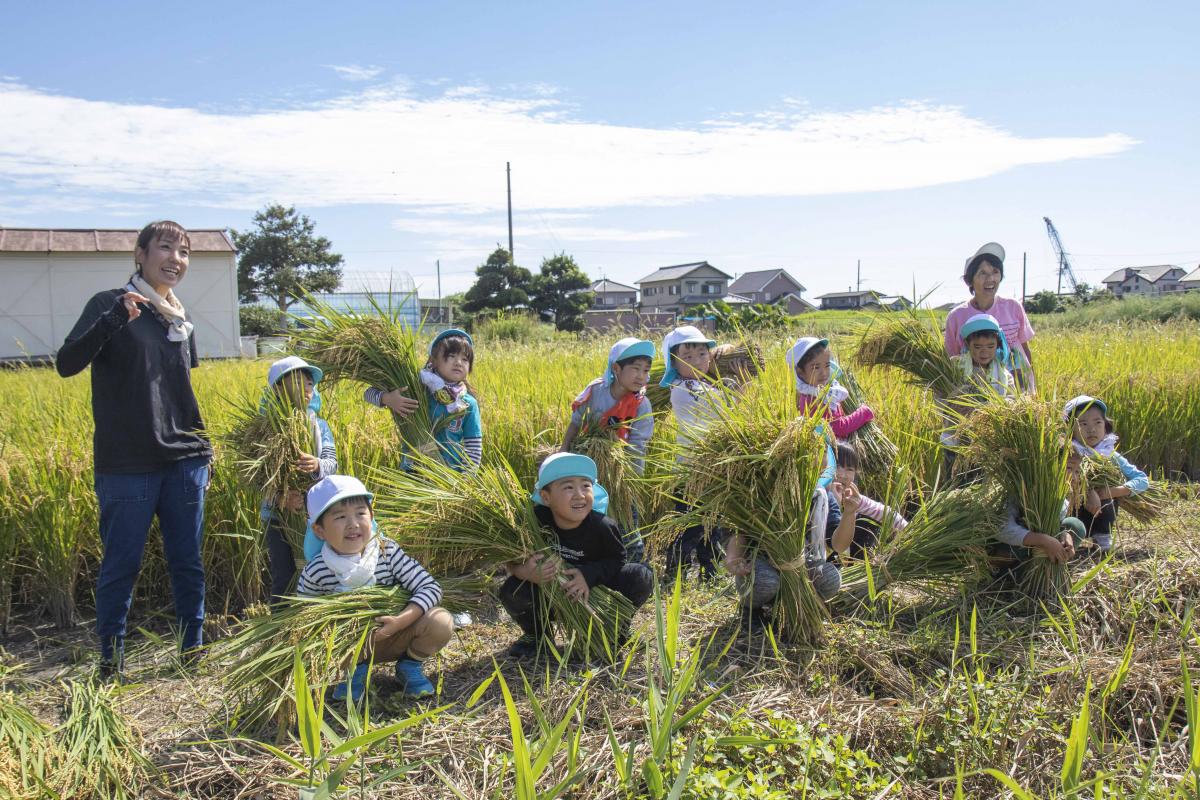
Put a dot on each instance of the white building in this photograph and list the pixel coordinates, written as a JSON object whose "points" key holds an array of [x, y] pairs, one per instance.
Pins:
{"points": [[47, 277], [1155, 280]]}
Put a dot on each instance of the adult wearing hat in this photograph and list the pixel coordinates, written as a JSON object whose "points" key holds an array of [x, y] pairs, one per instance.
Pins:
{"points": [[982, 273], [151, 453]]}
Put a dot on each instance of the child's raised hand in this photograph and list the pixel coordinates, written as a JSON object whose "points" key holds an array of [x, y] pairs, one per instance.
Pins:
{"points": [[850, 499], [308, 463], [389, 626], [538, 569], [1057, 550], [401, 404], [292, 501], [576, 586]]}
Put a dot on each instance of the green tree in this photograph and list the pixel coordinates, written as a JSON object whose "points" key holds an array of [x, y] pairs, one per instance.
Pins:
{"points": [[1044, 302], [499, 285], [281, 259], [562, 290]]}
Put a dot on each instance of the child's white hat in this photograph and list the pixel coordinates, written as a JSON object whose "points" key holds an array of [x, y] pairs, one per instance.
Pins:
{"points": [[1080, 404], [629, 347], [330, 490], [290, 364], [802, 346], [685, 334]]}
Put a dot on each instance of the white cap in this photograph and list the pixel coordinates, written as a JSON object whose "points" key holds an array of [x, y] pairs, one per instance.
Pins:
{"points": [[685, 334], [290, 364], [992, 249], [802, 346], [331, 489]]}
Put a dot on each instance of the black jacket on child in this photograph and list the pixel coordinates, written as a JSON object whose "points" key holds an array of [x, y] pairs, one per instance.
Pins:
{"points": [[594, 547]]}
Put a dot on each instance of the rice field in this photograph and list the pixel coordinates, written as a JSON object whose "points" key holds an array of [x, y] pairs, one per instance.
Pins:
{"points": [[914, 692]]}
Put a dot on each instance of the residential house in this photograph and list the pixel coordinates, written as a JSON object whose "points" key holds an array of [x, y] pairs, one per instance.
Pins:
{"points": [[793, 304], [610, 294], [1144, 280], [1191, 281], [677, 288], [766, 285], [849, 301]]}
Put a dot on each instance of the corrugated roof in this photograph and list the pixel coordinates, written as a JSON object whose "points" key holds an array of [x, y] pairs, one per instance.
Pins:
{"points": [[611, 286], [82, 240], [757, 281], [678, 271], [851, 294], [1191, 277], [737, 299]]}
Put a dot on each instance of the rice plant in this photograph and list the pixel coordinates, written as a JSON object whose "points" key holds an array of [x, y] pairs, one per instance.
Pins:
{"points": [[455, 523], [1100, 472], [615, 470], [29, 754], [879, 453], [910, 341], [1023, 446], [102, 752]]}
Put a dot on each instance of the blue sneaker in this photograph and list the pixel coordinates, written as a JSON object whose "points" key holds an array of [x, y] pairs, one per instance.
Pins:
{"points": [[412, 678], [357, 683]]}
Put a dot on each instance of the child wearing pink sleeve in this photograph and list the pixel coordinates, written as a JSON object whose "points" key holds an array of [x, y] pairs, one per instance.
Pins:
{"points": [[809, 360]]}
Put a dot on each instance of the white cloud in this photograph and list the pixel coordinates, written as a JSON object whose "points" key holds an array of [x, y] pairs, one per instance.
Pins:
{"points": [[537, 228], [354, 72], [386, 145]]}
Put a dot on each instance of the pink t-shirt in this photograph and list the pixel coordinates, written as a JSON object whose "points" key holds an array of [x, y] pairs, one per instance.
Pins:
{"points": [[1009, 313]]}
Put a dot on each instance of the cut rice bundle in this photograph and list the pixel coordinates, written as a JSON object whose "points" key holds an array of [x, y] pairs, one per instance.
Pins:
{"points": [[267, 445], [1100, 472], [910, 341], [878, 452], [454, 522], [1023, 446], [943, 547], [326, 630], [754, 472], [614, 469], [378, 349]]}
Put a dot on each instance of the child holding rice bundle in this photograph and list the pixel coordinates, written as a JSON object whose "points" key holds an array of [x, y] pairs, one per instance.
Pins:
{"points": [[687, 354], [863, 515], [453, 410], [809, 359], [354, 555], [1093, 439], [293, 378], [617, 403], [735, 364], [587, 552]]}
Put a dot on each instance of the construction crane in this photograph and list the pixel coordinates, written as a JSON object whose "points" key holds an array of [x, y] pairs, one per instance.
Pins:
{"points": [[1064, 263]]}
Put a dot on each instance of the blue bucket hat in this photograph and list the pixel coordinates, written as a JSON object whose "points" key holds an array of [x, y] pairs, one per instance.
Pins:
{"points": [[629, 347], [1077, 405], [323, 494], [290, 364], [986, 322], [686, 334], [570, 465], [450, 332]]}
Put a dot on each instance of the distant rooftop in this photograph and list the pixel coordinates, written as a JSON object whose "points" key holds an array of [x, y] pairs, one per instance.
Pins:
{"points": [[98, 240], [677, 271]]}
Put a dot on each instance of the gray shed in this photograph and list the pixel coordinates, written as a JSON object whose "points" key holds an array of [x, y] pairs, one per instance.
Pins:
{"points": [[47, 276]]}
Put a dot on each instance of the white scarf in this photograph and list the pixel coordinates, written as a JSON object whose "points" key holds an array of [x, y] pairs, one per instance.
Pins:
{"points": [[178, 328], [453, 392], [818, 515], [353, 572], [1105, 447], [833, 392]]}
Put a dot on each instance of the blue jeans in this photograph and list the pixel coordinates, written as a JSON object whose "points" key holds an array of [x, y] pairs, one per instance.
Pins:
{"points": [[128, 504]]}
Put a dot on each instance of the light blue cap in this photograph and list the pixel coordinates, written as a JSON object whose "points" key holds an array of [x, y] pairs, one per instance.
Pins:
{"points": [[629, 347], [986, 322], [570, 465], [290, 364], [686, 334], [1077, 405], [451, 332]]}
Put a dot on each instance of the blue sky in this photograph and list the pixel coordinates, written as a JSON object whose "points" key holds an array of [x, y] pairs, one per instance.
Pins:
{"points": [[794, 135]]}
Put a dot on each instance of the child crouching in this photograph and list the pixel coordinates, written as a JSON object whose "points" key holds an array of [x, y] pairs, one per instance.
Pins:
{"points": [[354, 555], [588, 552]]}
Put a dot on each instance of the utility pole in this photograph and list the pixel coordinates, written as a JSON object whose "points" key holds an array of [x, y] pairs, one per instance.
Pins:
{"points": [[439, 277], [512, 258], [1024, 264], [858, 282]]}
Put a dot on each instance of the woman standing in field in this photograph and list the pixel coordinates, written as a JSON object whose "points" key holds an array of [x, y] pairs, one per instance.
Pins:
{"points": [[151, 453], [982, 274]]}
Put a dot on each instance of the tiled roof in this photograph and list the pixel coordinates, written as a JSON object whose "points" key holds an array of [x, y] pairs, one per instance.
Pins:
{"points": [[676, 272], [611, 286], [76, 240], [1152, 274], [757, 281]]}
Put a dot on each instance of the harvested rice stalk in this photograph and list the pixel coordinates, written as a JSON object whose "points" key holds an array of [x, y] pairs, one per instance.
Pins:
{"points": [[1100, 472], [267, 444], [615, 469], [736, 363], [755, 471], [455, 522], [1023, 446], [911, 341], [326, 630], [29, 754], [102, 753], [377, 348], [878, 451], [944, 545]]}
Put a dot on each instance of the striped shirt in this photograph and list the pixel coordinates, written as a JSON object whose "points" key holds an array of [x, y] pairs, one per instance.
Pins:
{"points": [[394, 568]]}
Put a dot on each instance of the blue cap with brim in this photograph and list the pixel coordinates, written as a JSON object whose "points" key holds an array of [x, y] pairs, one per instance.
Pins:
{"points": [[570, 465], [629, 347], [686, 334], [981, 323], [451, 332], [290, 364], [1077, 405]]}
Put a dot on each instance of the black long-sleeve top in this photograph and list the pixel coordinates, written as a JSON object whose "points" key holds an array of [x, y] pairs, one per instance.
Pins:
{"points": [[142, 400], [594, 547]]}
